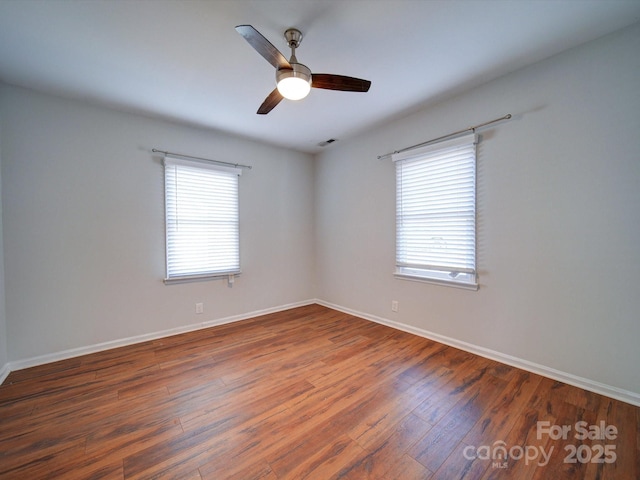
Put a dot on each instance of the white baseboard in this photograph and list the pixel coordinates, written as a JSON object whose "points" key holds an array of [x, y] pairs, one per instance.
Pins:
{"points": [[627, 396], [76, 352]]}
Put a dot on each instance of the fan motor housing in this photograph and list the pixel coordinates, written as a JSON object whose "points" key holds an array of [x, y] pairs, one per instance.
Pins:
{"points": [[294, 83], [299, 70]]}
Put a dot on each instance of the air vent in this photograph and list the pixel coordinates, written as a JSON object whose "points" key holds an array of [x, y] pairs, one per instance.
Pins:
{"points": [[327, 142]]}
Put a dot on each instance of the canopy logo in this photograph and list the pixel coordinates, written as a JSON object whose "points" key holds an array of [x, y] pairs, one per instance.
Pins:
{"points": [[500, 454]]}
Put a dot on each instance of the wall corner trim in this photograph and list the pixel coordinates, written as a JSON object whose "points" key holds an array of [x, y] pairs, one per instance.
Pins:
{"points": [[4, 373]]}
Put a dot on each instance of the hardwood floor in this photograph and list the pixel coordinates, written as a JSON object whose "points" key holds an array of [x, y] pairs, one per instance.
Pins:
{"points": [[307, 393]]}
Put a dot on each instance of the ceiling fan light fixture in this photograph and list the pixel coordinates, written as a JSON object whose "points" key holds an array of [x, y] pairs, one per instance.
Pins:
{"points": [[294, 84], [294, 80]]}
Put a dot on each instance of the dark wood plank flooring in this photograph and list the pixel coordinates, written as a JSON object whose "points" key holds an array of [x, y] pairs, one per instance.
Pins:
{"points": [[309, 393]]}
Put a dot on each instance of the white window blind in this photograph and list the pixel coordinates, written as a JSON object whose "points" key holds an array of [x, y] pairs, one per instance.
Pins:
{"points": [[201, 201], [436, 212]]}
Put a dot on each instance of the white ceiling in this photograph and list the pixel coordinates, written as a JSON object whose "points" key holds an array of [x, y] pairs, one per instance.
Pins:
{"points": [[183, 60]]}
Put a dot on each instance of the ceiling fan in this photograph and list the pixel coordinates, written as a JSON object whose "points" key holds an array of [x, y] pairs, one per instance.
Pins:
{"points": [[294, 80]]}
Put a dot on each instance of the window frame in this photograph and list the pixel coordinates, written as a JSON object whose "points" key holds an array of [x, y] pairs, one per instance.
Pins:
{"points": [[465, 274], [177, 275]]}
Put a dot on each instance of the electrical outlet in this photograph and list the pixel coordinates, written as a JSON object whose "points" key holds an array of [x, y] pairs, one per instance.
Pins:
{"points": [[199, 308], [394, 305]]}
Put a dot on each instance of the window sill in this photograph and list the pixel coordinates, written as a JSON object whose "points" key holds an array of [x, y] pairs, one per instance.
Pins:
{"points": [[202, 278], [436, 281]]}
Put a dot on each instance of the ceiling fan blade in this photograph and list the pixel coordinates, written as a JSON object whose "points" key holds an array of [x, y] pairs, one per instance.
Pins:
{"points": [[263, 46], [273, 99], [339, 82]]}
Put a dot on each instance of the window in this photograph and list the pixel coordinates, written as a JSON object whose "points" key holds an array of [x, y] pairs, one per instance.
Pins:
{"points": [[201, 202], [436, 212]]}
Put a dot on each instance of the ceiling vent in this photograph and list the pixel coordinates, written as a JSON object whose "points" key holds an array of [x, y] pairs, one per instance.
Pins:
{"points": [[327, 142]]}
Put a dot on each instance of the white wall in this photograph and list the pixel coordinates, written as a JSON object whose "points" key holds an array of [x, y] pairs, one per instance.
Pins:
{"points": [[83, 221], [558, 217]]}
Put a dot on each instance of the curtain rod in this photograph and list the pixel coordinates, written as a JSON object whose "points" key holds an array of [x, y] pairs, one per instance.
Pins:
{"points": [[219, 162], [470, 129]]}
